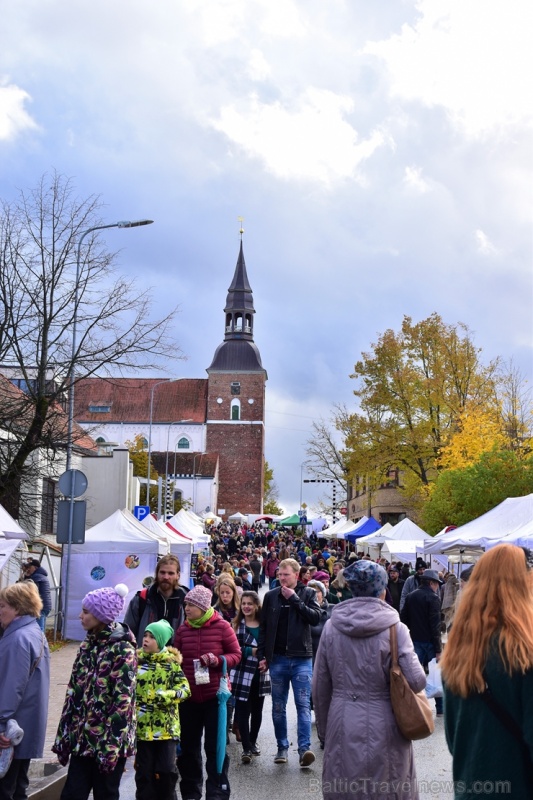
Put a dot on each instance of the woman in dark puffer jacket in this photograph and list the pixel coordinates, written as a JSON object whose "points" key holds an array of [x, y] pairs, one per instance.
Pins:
{"points": [[202, 639]]}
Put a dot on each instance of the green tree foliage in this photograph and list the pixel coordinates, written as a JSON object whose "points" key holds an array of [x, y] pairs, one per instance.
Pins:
{"points": [[461, 495], [270, 493], [139, 459], [412, 388]]}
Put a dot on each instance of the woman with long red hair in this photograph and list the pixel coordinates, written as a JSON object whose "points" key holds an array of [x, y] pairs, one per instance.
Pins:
{"points": [[487, 670]]}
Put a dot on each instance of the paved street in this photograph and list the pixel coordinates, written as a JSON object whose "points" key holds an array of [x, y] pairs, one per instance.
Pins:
{"points": [[262, 778]]}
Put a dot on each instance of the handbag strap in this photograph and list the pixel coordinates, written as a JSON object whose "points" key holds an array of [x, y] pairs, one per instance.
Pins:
{"points": [[510, 723], [36, 662], [393, 645]]}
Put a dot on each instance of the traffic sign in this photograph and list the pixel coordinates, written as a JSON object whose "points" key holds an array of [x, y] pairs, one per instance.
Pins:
{"points": [[72, 483], [141, 512], [303, 520], [343, 510]]}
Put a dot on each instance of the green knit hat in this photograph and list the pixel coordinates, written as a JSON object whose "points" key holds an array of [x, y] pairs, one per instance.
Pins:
{"points": [[162, 632]]}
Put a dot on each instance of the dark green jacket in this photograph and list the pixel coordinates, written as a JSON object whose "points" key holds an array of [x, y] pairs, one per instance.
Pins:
{"points": [[482, 748]]}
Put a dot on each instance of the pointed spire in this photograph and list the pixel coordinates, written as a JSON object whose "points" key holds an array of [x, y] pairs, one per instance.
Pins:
{"points": [[238, 351], [239, 308]]}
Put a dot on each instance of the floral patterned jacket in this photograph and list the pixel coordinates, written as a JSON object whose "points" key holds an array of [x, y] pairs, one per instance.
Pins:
{"points": [[161, 685], [98, 718]]}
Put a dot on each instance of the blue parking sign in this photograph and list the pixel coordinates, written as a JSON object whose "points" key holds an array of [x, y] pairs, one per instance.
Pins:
{"points": [[141, 512]]}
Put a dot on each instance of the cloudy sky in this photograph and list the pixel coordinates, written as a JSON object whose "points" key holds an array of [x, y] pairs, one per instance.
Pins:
{"points": [[379, 152]]}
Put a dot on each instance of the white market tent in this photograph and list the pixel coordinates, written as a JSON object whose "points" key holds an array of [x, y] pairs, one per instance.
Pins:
{"points": [[508, 521], [378, 537], [11, 536], [117, 550], [341, 528], [157, 528], [238, 517], [190, 525], [9, 528]]}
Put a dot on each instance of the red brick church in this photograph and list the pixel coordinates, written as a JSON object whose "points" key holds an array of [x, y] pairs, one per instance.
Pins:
{"points": [[207, 434]]}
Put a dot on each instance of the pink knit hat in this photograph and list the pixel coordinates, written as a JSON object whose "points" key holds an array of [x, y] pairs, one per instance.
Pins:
{"points": [[200, 597], [106, 604]]}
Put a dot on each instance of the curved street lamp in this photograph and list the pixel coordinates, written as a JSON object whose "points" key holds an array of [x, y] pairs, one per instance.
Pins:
{"points": [[71, 383]]}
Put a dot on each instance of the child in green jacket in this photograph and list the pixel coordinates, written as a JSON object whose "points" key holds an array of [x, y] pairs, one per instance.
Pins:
{"points": [[161, 686]]}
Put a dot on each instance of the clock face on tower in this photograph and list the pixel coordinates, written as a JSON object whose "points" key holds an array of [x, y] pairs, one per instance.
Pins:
{"points": [[235, 387]]}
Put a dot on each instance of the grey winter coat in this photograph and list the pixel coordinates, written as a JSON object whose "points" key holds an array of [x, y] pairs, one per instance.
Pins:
{"points": [[25, 683], [351, 698]]}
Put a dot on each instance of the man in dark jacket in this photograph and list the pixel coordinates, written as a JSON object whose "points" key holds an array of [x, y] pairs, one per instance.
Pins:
{"points": [[256, 565], [395, 586], [163, 600], [413, 581], [421, 614], [243, 575], [285, 648], [34, 572]]}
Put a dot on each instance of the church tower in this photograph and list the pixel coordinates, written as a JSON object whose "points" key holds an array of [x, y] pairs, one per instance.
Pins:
{"points": [[236, 404]]}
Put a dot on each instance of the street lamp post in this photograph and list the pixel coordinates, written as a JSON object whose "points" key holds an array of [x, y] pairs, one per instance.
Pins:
{"points": [[154, 387], [194, 476], [71, 382], [177, 422]]}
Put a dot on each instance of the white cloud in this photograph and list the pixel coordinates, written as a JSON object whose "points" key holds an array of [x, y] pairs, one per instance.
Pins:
{"points": [[414, 180], [258, 67], [484, 244], [13, 116], [308, 137], [472, 59]]}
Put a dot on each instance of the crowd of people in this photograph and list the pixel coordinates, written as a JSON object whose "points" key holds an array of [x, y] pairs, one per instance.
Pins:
{"points": [[276, 611]]}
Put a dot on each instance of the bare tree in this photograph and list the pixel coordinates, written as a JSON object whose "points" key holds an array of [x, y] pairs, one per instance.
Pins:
{"points": [[325, 456], [40, 296], [516, 402]]}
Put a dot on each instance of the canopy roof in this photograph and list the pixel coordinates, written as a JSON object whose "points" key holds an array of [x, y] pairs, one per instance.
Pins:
{"points": [[341, 527], [9, 528], [118, 533], [511, 521], [238, 517], [406, 529], [190, 525], [294, 519], [365, 529]]}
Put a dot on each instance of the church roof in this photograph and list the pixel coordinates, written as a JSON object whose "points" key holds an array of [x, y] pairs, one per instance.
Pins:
{"points": [[236, 355], [129, 399]]}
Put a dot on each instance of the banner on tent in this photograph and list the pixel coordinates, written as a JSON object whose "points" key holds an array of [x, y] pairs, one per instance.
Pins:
{"points": [[89, 571]]}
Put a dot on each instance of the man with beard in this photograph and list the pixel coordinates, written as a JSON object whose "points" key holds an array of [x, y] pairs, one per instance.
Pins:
{"points": [[395, 586], [162, 600]]}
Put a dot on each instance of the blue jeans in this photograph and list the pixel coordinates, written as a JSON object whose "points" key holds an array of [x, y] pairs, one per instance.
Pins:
{"points": [[41, 621], [298, 672], [426, 652]]}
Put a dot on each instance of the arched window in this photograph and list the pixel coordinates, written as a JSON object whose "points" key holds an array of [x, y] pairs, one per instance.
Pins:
{"points": [[143, 442], [100, 440], [183, 443], [235, 409]]}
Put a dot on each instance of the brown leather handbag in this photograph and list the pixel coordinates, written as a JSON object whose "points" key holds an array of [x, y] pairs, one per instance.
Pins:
{"points": [[412, 710]]}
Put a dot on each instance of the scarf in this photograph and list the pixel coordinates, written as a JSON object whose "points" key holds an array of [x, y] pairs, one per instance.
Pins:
{"points": [[197, 623]]}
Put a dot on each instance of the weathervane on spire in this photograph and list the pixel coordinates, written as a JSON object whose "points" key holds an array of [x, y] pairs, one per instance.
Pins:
{"points": [[241, 230]]}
